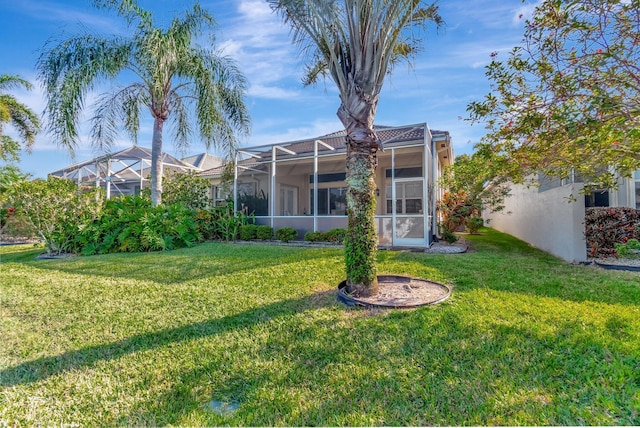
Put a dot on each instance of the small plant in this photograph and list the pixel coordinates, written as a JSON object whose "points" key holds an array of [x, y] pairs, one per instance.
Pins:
{"points": [[313, 236], [631, 249], [335, 236], [248, 232], [474, 223], [286, 234], [449, 236], [264, 232]]}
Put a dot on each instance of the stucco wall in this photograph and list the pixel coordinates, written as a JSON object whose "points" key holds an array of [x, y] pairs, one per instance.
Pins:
{"points": [[545, 219]]}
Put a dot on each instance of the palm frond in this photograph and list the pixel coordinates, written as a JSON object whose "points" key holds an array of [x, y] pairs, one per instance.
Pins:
{"points": [[117, 110], [71, 68], [10, 81], [180, 123], [25, 121]]}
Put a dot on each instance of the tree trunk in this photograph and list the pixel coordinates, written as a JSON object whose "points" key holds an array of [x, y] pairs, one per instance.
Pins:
{"points": [[156, 162], [361, 242]]}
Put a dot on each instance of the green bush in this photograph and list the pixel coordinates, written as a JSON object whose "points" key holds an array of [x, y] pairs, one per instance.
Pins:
{"points": [[449, 236], [314, 236], [286, 234], [264, 232], [132, 224], [474, 223], [186, 188], [57, 209], [248, 232], [335, 236], [629, 249], [222, 222]]}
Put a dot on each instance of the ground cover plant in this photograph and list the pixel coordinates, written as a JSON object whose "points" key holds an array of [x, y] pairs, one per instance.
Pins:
{"points": [[152, 338]]}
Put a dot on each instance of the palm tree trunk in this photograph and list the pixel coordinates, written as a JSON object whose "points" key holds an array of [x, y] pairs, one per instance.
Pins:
{"points": [[361, 242], [156, 162]]}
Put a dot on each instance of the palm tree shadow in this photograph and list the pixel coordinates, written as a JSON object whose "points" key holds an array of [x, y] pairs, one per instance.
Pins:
{"points": [[177, 266], [45, 367]]}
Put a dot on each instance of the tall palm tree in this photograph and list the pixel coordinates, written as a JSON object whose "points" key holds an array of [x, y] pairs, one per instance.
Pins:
{"points": [[356, 43], [18, 115], [173, 78]]}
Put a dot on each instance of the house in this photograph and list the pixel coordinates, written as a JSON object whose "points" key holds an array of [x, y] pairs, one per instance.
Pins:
{"points": [[126, 172], [301, 184], [551, 215]]}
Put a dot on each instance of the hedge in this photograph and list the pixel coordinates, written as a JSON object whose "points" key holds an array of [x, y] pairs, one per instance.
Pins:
{"points": [[606, 226]]}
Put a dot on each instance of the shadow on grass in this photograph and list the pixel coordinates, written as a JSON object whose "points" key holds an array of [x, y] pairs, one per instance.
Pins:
{"points": [[176, 266], [412, 368], [43, 368]]}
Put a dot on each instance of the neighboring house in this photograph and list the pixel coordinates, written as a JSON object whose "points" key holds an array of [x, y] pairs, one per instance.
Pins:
{"points": [[307, 178], [204, 161], [549, 218], [125, 172]]}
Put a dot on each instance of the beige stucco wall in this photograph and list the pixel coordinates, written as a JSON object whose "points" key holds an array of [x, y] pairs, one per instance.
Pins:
{"points": [[545, 219]]}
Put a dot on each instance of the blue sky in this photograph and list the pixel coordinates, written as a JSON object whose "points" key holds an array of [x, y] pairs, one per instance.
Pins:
{"points": [[444, 78]]}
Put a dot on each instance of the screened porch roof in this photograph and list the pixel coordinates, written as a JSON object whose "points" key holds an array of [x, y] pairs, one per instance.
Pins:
{"points": [[389, 136], [132, 163]]}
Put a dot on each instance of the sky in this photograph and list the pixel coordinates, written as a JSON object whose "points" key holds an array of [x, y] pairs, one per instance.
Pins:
{"points": [[435, 88]]}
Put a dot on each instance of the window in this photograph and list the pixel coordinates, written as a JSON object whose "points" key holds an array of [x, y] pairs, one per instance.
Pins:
{"points": [[405, 172], [408, 198], [220, 195], [331, 201], [597, 198]]}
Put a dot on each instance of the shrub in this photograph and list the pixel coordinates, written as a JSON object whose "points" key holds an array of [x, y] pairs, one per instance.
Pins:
{"points": [[224, 224], [248, 232], [631, 249], [314, 236], [132, 224], [57, 209], [335, 236], [286, 234], [264, 232], [456, 208], [474, 223], [449, 236], [605, 226], [186, 188]]}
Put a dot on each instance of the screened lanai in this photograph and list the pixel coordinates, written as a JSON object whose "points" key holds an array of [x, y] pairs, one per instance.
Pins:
{"points": [[301, 184], [123, 173]]}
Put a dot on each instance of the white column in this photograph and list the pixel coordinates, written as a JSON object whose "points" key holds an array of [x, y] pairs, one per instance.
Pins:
{"points": [[273, 184]]}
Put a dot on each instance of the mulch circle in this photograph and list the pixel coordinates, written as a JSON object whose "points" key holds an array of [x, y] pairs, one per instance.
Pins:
{"points": [[397, 291]]}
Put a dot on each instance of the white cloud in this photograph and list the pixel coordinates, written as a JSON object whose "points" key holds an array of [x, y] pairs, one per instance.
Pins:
{"points": [[284, 133], [53, 11], [260, 42]]}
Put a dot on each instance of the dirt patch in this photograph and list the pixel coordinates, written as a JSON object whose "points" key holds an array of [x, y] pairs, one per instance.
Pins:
{"points": [[395, 291]]}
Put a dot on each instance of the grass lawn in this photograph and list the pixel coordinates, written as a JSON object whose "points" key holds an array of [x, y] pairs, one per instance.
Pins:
{"points": [[150, 339]]}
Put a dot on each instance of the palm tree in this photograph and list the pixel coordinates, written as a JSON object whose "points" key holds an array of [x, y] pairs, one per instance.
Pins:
{"points": [[14, 113], [173, 78], [357, 42]]}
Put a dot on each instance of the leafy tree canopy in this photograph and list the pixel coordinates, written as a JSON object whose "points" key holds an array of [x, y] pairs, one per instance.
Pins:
{"points": [[567, 100]]}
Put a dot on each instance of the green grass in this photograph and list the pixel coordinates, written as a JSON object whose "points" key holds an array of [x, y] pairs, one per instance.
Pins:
{"points": [[150, 339]]}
